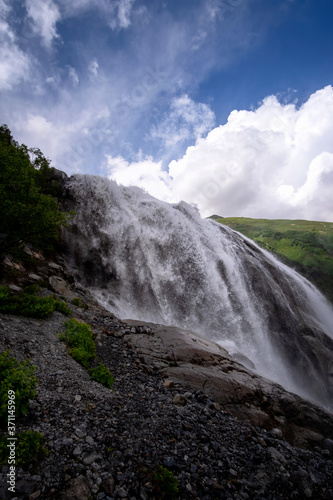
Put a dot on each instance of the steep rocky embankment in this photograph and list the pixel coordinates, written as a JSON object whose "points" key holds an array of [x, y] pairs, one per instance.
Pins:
{"points": [[175, 404]]}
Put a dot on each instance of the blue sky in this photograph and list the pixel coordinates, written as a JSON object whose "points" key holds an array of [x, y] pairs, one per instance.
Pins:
{"points": [[227, 104]]}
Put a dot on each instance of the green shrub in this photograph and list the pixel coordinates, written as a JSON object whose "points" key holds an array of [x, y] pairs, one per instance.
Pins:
{"points": [[79, 303], [164, 483], [62, 307], [17, 377], [34, 307], [78, 337], [29, 449], [28, 304], [102, 375], [31, 289], [4, 293]]}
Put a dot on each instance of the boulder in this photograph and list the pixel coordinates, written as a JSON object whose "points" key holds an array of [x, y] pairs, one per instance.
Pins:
{"points": [[79, 490], [59, 285]]}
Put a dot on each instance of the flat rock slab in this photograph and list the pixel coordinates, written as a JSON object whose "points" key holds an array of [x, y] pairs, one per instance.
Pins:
{"points": [[184, 357]]}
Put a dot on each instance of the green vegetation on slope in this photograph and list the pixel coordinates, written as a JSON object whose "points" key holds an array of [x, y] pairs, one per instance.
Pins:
{"points": [[29, 449], [79, 338], [17, 386], [307, 246], [29, 304], [28, 211]]}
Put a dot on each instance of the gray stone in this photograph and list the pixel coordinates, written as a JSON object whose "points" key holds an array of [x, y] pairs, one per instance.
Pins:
{"points": [[143, 494], [122, 493], [90, 458], [179, 400], [80, 433], [79, 489], [108, 485], [328, 444], [277, 433], [15, 288], [67, 442], [35, 277], [35, 495], [89, 440], [276, 455], [36, 478], [78, 450]]}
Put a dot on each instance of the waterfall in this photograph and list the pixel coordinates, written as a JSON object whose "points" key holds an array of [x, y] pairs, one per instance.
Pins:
{"points": [[146, 259]]}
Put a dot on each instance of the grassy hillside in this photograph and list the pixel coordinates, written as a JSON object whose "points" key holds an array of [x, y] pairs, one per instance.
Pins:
{"points": [[307, 246]]}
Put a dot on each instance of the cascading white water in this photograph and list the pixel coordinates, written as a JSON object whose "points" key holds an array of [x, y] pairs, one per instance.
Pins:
{"points": [[159, 262]]}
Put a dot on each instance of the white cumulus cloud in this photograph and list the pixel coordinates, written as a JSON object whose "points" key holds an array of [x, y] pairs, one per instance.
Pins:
{"points": [[270, 162], [144, 173], [275, 162]]}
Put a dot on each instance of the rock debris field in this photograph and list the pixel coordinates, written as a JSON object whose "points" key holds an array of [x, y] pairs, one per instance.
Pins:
{"points": [[107, 444]]}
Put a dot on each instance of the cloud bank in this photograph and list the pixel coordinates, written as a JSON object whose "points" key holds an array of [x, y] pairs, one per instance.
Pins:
{"points": [[272, 162]]}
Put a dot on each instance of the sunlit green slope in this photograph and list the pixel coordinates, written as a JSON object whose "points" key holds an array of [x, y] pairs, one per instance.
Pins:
{"points": [[307, 246]]}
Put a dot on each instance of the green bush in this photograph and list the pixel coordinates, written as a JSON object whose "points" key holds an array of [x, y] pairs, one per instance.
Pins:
{"points": [[78, 337], [31, 289], [29, 449], [165, 484], [102, 375], [28, 304], [62, 307], [79, 303], [17, 377]]}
